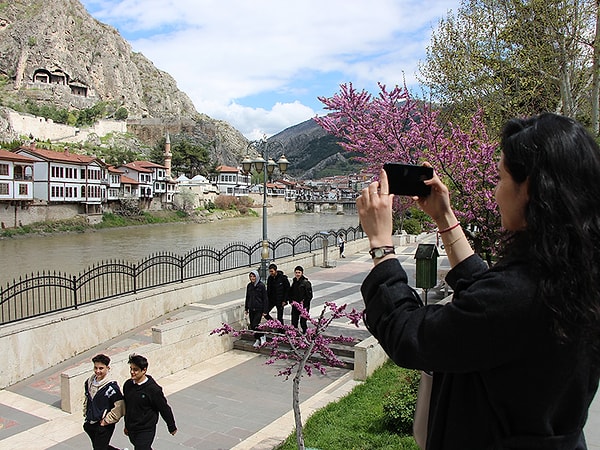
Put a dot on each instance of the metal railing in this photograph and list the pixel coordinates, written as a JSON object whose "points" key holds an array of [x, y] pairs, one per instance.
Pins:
{"points": [[43, 293]]}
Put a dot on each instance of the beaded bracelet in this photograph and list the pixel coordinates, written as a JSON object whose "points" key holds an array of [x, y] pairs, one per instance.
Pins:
{"points": [[457, 224]]}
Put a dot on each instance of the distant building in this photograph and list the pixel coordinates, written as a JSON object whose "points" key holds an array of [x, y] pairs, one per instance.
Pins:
{"points": [[155, 188], [232, 181], [16, 177], [202, 190], [64, 177]]}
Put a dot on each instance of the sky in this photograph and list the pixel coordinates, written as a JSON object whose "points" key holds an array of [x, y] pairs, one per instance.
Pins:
{"points": [[261, 65]]}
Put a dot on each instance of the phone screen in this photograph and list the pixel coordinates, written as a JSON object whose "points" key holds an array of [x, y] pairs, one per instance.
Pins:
{"points": [[407, 179]]}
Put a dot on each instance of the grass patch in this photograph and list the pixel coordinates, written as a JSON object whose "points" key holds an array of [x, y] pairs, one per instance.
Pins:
{"points": [[110, 220], [356, 421]]}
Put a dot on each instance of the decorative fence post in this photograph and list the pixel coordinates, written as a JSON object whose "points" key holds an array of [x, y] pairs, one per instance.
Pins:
{"points": [[74, 287]]}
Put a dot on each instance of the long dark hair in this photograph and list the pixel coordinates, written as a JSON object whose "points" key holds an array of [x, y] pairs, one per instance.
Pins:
{"points": [[561, 162]]}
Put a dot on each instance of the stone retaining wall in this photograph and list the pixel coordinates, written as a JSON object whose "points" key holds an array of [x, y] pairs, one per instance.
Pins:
{"points": [[12, 216], [46, 129], [368, 357], [275, 205]]}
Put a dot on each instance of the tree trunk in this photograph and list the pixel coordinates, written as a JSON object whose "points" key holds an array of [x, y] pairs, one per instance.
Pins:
{"points": [[296, 407], [296, 393]]}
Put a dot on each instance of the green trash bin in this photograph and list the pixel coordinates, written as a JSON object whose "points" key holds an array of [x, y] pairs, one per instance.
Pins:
{"points": [[426, 273]]}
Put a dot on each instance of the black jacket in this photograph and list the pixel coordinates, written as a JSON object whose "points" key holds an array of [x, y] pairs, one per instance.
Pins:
{"points": [[99, 405], [143, 403], [501, 379], [256, 297], [278, 287], [301, 290]]}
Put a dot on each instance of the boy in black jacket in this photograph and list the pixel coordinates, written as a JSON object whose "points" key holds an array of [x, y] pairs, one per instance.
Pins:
{"points": [[103, 404], [278, 286], [300, 292], [144, 400]]}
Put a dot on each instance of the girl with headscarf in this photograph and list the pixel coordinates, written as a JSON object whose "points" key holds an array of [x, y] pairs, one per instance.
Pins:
{"points": [[257, 304]]}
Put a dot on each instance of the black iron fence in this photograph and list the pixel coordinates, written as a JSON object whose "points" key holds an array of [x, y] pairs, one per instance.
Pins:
{"points": [[42, 293]]}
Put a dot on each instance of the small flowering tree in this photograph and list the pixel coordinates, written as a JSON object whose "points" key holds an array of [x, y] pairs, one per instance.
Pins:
{"points": [[303, 353]]}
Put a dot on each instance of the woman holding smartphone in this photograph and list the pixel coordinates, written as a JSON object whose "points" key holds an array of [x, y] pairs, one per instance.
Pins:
{"points": [[515, 354]]}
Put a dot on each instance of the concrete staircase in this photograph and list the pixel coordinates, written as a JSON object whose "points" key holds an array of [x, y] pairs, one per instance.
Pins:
{"points": [[344, 351]]}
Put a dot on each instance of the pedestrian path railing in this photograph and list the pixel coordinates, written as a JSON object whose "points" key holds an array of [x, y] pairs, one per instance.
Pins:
{"points": [[46, 292]]}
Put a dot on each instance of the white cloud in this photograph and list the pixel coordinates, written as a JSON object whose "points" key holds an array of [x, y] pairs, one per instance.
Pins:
{"points": [[260, 64]]}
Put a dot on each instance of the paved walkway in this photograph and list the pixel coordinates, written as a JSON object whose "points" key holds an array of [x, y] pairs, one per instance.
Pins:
{"points": [[232, 401]]}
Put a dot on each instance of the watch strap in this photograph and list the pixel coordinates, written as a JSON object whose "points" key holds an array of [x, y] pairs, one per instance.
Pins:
{"points": [[380, 252]]}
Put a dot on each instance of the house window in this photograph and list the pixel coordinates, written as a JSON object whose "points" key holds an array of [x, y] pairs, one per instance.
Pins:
{"points": [[4, 169], [22, 189], [4, 189]]}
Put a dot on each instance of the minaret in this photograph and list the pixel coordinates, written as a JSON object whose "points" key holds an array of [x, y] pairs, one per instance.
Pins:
{"points": [[168, 156]]}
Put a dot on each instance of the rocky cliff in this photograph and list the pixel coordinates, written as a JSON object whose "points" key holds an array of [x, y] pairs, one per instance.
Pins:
{"points": [[52, 52], [55, 49]]}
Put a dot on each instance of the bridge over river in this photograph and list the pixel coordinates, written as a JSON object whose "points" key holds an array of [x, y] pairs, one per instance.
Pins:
{"points": [[340, 206]]}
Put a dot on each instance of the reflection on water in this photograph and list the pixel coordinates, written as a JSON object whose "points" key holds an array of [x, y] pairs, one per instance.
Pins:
{"points": [[75, 252]]}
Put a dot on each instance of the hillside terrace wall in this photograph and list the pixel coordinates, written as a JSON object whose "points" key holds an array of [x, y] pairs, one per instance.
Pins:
{"points": [[46, 129], [34, 345]]}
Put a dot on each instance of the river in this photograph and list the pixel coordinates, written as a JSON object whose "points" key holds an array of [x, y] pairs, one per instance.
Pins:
{"points": [[74, 252]]}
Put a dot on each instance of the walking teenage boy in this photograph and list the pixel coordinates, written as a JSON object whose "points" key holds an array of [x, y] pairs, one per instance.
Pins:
{"points": [[103, 404], [278, 286], [300, 292], [145, 401]]}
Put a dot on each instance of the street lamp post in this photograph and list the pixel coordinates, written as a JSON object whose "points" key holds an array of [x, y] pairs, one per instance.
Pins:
{"points": [[265, 165]]}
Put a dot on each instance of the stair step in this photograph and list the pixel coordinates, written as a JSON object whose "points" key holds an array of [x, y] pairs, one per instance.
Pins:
{"points": [[343, 351]]}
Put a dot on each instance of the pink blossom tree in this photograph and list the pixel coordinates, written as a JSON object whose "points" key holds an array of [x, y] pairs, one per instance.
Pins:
{"points": [[303, 353], [393, 126]]}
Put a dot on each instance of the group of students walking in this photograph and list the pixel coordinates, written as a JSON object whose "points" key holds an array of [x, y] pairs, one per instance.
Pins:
{"points": [[261, 299], [141, 402], [142, 399]]}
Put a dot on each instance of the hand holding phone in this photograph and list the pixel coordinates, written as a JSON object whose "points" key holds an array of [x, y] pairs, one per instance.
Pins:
{"points": [[407, 179]]}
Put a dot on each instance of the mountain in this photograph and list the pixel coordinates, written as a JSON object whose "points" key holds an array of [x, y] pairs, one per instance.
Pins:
{"points": [[313, 153], [54, 54]]}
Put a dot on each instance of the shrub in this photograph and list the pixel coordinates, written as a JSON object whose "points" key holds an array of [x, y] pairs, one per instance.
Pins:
{"points": [[210, 206], [245, 201], [240, 204], [225, 202], [399, 404], [181, 214], [411, 226], [121, 113]]}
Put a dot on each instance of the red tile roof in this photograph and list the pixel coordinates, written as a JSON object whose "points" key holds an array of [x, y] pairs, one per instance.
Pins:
{"points": [[65, 156], [11, 156], [227, 169], [147, 164], [136, 167]]}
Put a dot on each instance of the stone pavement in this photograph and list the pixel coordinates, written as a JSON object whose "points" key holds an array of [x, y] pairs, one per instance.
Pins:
{"points": [[232, 401]]}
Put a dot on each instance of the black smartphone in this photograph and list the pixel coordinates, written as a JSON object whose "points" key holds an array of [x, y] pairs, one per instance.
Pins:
{"points": [[407, 179]]}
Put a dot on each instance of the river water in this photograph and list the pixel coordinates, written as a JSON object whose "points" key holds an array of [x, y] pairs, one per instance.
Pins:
{"points": [[74, 252]]}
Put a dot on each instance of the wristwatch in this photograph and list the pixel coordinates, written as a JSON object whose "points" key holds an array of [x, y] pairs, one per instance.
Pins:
{"points": [[380, 252]]}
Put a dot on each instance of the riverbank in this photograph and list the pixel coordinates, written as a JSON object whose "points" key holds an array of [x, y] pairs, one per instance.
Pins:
{"points": [[79, 224]]}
